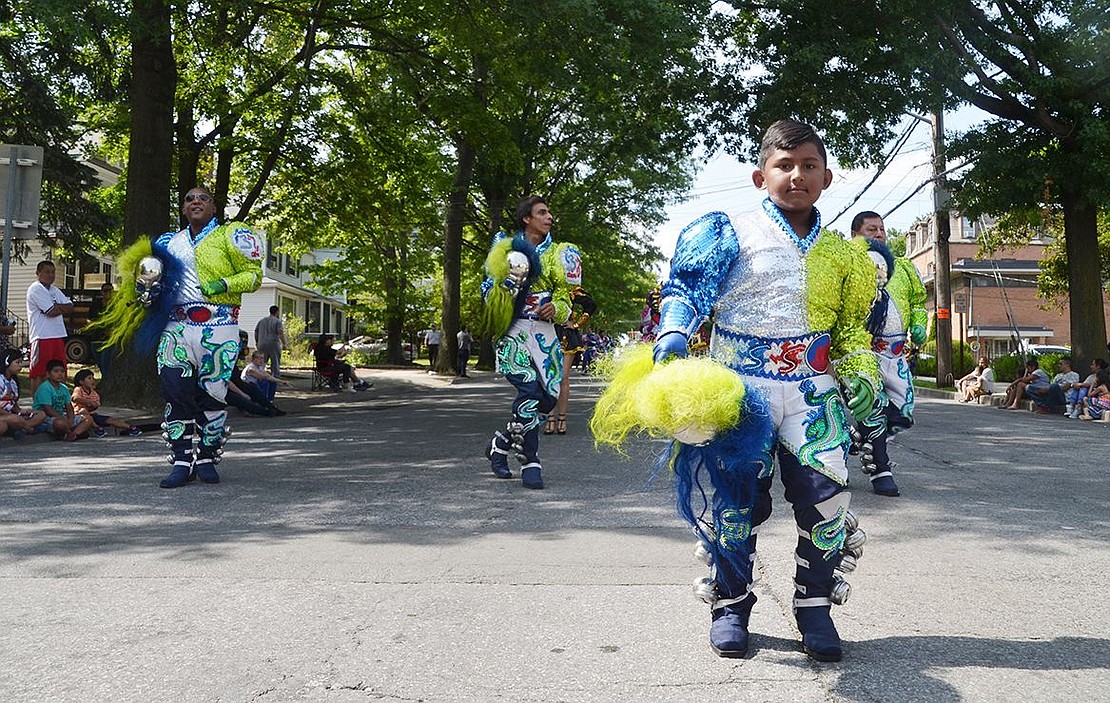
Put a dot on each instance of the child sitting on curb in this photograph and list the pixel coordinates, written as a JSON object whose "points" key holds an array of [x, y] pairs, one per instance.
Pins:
{"points": [[53, 398], [14, 419], [86, 400]]}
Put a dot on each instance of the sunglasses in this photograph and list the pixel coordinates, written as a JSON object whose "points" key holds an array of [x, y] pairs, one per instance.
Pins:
{"points": [[203, 197]]}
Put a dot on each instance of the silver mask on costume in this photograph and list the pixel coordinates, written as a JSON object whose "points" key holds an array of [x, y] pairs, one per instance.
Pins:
{"points": [[518, 267], [148, 280]]}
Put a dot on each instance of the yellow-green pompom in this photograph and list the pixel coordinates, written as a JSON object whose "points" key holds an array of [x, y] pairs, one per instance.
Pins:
{"points": [[692, 398]]}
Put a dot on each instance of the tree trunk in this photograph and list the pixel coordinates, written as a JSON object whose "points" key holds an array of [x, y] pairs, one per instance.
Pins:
{"points": [[1088, 326], [452, 258], [149, 169]]}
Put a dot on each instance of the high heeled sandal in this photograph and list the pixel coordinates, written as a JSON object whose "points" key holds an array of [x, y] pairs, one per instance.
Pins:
{"points": [[549, 428], [561, 425]]}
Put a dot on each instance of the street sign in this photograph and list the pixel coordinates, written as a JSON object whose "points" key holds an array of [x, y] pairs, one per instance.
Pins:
{"points": [[20, 186], [959, 303]]}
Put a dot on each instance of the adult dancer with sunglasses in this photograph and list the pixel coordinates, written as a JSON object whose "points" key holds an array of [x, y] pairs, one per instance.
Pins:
{"points": [[189, 285]]}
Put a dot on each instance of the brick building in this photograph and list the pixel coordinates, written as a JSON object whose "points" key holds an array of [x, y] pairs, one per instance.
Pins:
{"points": [[992, 299]]}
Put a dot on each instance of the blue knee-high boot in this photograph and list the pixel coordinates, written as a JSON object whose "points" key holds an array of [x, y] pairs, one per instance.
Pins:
{"points": [[213, 435], [179, 438], [816, 587]]}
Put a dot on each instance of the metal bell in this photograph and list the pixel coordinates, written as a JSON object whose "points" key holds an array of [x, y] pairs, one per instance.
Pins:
{"points": [[705, 589], [851, 522], [847, 564], [702, 553], [840, 591], [855, 540]]}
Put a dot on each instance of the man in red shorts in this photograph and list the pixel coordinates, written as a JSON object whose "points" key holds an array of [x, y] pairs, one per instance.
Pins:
{"points": [[46, 306]]}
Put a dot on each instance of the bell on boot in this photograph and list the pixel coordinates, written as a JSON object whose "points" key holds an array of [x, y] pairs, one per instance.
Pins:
{"points": [[498, 462], [820, 639]]}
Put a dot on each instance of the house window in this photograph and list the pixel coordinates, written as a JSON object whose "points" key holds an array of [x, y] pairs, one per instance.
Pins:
{"points": [[312, 319], [272, 262], [288, 306], [290, 265]]}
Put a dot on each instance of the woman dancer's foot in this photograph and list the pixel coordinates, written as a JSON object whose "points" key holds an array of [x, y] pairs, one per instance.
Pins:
{"points": [[561, 425]]}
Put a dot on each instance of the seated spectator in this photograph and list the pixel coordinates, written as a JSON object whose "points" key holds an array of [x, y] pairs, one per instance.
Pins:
{"points": [[1020, 389], [255, 373], [86, 401], [1078, 391], [16, 421], [249, 397], [1097, 401], [329, 363], [53, 398], [1052, 399], [977, 383]]}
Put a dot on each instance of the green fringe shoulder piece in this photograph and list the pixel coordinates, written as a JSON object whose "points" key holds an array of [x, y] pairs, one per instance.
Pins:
{"points": [[840, 286], [124, 315], [497, 312]]}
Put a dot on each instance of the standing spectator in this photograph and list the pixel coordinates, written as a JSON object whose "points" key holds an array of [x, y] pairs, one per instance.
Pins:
{"points": [[13, 418], [86, 402], [1079, 391], [53, 398], [1034, 381], [431, 340], [269, 338], [46, 306], [465, 340], [97, 335]]}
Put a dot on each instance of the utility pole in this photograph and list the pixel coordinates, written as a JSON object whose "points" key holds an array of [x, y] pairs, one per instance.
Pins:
{"points": [[942, 279]]}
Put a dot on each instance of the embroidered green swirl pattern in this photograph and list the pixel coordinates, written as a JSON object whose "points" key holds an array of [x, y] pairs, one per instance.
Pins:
{"points": [[826, 427], [828, 535]]}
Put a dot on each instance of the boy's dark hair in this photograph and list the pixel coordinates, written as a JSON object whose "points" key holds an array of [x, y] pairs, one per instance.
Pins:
{"points": [[81, 375], [1032, 364], [53, 364], [1101, 363], [9, 356], [524, 209], [857, 221], [789, 135], [43, 264], [273, 309]]}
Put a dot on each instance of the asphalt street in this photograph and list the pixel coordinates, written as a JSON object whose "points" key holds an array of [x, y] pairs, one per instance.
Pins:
{"points": [[358, 549]]}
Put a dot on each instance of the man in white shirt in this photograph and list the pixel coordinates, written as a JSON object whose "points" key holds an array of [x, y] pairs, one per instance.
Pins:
{"points": [[46, 308]]}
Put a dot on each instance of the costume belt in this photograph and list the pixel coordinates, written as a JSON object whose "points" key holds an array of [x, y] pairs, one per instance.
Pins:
{"points": [[196, 313], [533, 302], [780, 358], [890, 346]]}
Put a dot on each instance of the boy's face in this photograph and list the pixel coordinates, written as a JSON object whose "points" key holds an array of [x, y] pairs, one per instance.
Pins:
{"points": [[17, 364], [794, 178], [88, 383], [57, 374]]}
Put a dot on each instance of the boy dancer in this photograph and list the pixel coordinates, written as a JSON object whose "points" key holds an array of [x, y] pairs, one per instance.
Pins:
{"points": [[786, 300], [898, 313]]}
